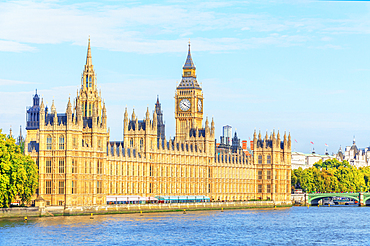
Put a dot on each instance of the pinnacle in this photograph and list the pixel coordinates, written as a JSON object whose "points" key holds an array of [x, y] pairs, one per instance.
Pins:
{"points": [[88, 58], [189, 61]]}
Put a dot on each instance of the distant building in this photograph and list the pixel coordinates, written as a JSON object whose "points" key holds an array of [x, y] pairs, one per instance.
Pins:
{"points": [[308, 160], [226, 135], [227, 148], [161, 129], [355, 156], [20, 138]]}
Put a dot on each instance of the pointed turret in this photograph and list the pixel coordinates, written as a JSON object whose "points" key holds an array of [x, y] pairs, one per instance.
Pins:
{"points": [[104, 117], [69, 111], [189, 77], [69, 106], [88, 58], [259, 135], [104, 110], [53, 109], [147, 118], [79, 113], [42, 106], [42, 113], [20, 138], [125, 125], [212, 127], [147, 115], [126, 114], [285, 141], [133, 116], [189, 61], [207, 126], [154, 120]]}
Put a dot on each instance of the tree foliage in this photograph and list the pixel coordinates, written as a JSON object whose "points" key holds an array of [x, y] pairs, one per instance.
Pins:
{"points": [[332, 176], [18, 173]]}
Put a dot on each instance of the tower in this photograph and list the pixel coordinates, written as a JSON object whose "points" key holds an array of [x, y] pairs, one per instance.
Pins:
{"points": [[33, 114], [161, 133], [88, 97], [188, 100]]}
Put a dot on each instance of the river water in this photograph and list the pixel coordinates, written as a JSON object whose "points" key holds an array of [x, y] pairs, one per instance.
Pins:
{"points": [[346, 225]]}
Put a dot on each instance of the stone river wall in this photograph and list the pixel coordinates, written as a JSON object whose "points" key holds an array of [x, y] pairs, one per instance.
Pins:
{"points": [[134, 208]]}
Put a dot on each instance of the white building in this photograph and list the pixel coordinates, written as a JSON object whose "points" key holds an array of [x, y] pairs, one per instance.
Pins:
{"points": [[355, 156], [307, 160], [227, 134]]}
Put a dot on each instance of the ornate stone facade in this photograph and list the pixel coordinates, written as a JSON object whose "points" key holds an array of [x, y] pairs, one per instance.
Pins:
{"points": [[78, 165]]}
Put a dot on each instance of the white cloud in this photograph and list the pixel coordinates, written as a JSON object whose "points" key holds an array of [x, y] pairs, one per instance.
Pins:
{"points": [[12, 46], [8, 82], [144, 28]]}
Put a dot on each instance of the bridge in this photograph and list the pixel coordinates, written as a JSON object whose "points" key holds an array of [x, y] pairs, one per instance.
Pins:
{"points": [[363, 198]]}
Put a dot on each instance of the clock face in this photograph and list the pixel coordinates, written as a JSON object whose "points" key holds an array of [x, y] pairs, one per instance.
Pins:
{"points": [[184, 104], [199, 105]]}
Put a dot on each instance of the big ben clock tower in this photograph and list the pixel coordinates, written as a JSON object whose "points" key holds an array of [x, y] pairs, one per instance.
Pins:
{"points": [[188, 100]]}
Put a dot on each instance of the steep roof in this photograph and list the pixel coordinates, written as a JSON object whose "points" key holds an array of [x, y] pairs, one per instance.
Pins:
{"points": [[189, 61]]}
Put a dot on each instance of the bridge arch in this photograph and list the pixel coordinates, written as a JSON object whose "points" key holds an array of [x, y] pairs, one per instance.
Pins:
{"points": [[315, 197], [366, 199]]}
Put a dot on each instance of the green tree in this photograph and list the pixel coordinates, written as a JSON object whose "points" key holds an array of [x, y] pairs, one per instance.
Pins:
{"points": [[18, 173], [332, 176]]}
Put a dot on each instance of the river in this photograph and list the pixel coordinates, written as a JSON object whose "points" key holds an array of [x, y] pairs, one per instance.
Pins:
{"points": [[341, 225]]}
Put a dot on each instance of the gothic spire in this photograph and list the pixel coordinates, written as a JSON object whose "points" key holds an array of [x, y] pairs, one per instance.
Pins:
{"points": [[88, 58], [189, 61], [189, 77]]}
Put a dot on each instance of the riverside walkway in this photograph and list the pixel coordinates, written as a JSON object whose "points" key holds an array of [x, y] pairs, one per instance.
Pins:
{"points": [[135, 208]]}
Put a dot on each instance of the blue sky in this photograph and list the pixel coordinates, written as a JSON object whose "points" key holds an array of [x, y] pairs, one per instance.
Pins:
{"points": [[299, 66]]}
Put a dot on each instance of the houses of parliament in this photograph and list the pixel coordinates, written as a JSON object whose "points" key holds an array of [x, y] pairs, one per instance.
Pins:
{"points": [[79, 165]]}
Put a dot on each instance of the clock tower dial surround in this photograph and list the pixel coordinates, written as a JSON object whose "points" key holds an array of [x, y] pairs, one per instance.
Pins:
{"points": [[188, 100]]}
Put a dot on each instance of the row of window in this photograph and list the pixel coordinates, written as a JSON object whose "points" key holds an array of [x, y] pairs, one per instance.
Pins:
{"points": [[268, 174], [49, 142], [162, 188], [61, 167], [268, 189], [123, 188], [163, 171], [268, 159], [88, 188]]}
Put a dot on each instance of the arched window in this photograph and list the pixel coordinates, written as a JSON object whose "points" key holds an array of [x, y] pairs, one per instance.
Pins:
{"points": [[141, 144], [131, 143], [269, 159], [49, 142], [61, 142], [260, 159], [89, 109]]}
